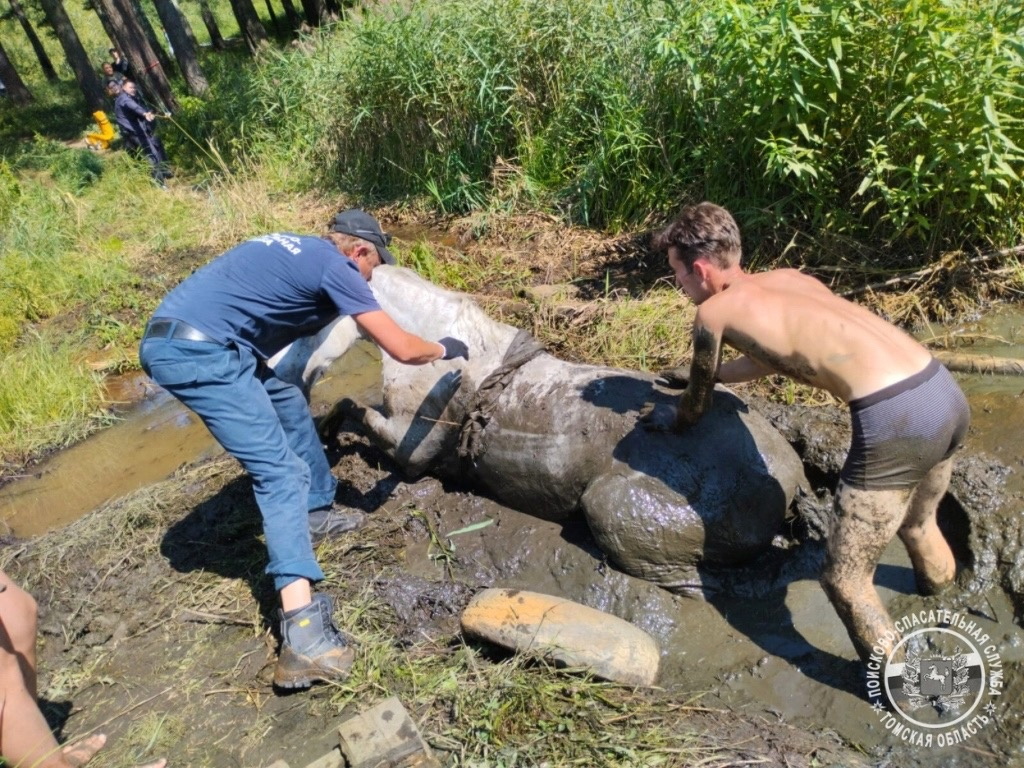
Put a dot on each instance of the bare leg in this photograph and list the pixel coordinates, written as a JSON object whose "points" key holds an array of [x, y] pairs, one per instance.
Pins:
{"points": [[18, 614], [25, 736], [934, 565], [865, 523]]}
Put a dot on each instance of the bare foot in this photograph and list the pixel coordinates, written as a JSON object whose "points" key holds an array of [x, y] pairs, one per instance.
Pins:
{"points": [[81, 752]]}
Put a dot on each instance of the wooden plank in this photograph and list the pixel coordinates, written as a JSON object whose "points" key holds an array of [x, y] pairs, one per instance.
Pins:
{"points": [[332, 759]]}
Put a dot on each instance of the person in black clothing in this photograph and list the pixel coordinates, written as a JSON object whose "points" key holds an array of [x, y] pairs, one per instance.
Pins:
{"points": [[136, 122], [126, 128], [119, 64]]}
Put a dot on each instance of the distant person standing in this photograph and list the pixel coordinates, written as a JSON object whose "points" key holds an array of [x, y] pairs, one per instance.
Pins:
{"points": [[137, 123], [126, 127], [119, 64]]}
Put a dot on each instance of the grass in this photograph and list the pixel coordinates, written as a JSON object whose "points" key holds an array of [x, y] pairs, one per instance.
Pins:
{"points": [[647, 333], [48, 399], [832, 131]]}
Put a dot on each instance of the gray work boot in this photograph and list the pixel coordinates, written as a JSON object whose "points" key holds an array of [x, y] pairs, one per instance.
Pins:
{"points": [[334, 521], [312, 648]]}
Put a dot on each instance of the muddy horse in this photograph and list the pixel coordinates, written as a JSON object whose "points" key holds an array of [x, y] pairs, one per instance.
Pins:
{"points": [[555, 439]]}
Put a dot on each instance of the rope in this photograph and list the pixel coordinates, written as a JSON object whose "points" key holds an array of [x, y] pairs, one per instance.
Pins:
{"points": [[191, 138], [521, 351]]}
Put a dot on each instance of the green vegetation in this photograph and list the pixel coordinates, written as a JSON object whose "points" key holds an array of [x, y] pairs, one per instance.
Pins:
{"points": [[882, 131], [873, 138]]}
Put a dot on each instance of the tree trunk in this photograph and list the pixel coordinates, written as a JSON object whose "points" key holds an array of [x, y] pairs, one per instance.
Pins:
{"points": [[184, 44], [112, 32], [85, 74], [33, 38], [148, 73], [16, 89], [210, 22], [273, 16], [316, 12], [154, 40], [294, 20], [249, 25]]}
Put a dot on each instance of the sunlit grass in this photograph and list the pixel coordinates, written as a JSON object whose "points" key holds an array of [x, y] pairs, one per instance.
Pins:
{"points": [[48, 397], [89, 246]]}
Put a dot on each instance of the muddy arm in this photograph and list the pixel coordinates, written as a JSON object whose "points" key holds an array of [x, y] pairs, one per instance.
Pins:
{"points": [[696, 398]]}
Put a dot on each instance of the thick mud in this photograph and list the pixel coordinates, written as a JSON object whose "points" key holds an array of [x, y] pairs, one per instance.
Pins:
{"points": [[764, 638], [155, 613]]}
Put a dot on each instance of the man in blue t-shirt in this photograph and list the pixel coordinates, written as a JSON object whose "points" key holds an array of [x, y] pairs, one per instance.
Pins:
{"points": [[207, 344]]}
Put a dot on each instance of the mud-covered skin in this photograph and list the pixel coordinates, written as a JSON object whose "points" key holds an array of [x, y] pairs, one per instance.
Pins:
{"points": [[696, 398], [981, 522], [563, 437], [864, 523], [794, 366]]}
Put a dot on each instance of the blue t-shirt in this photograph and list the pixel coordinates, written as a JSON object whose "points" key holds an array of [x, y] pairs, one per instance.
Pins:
{"points": [[269, 291]]}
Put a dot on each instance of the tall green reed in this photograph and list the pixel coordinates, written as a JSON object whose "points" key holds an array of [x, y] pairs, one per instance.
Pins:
{"points": [[827, 127]]}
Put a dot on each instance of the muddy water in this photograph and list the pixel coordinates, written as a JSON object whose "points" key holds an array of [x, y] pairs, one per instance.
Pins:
{"points": [[149, 444], [779, 654]]}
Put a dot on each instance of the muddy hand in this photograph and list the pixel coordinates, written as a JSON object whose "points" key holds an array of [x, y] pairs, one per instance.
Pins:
{"points": [[658, 418], [674, 378]]}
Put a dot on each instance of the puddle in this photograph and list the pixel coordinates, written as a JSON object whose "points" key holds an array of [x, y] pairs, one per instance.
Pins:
{"points": [[154, 438]]}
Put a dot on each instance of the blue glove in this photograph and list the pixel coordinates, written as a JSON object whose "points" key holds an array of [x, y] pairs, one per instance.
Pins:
{"points": [[453, 348]]}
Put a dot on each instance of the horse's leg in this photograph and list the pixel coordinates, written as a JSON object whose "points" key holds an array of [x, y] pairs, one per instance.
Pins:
{"points": [[383, 431]]}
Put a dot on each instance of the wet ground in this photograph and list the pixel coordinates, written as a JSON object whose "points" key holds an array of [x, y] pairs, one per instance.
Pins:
{"points": [[153, 439], [761, 640]]}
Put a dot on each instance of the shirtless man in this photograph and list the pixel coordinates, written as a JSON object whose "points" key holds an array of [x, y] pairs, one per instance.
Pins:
{"points": [[909, 415]]}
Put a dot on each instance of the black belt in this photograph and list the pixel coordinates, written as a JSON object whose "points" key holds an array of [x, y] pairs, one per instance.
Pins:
{"points": [[175, 329]]}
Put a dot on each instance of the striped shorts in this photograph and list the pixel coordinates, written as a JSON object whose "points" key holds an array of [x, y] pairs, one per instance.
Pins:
{"points": [[903, 430]]}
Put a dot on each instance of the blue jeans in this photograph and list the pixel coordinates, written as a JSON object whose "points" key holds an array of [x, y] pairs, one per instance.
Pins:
{"points": [[264, 423]]}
